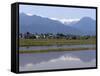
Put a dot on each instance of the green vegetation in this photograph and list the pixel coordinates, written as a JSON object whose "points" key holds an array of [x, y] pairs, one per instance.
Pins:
{"points": [[55, 50], [48, 42], [49, 39]]}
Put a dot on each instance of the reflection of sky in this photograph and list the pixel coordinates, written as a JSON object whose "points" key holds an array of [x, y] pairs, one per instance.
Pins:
{"points": [[57, 60], [58, 12]]}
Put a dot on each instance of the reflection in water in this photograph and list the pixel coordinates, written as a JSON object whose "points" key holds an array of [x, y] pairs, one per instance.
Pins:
{"points": [[57, 60]]}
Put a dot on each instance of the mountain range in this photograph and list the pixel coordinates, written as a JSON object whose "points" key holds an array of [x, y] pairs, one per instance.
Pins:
{"points": [[38, 24]]}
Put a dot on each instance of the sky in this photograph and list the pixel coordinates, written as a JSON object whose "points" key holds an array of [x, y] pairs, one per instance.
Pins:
{"points": [[58, 12]]}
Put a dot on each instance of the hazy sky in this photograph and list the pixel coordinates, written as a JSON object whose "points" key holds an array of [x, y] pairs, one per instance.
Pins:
{"points": [[58, 12]]}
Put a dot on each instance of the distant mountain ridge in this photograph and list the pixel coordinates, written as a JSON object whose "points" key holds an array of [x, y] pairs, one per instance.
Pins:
{"points": [[86, 25], [38, 24]]}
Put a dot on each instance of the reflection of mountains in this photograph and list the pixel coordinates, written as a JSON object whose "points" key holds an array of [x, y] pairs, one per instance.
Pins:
{"points": [[85, 56], [38, 24]]}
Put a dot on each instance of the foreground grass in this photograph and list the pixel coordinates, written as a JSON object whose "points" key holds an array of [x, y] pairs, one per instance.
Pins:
{"points": [[48, 42], [55, 50]]}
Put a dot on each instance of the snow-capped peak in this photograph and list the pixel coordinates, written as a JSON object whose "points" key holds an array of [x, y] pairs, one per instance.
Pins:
{"points": [[29, 14], [67, 21]]}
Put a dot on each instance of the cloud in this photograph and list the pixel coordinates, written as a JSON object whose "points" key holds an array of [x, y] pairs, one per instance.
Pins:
{"points": [[29, 14], [65, 20]]}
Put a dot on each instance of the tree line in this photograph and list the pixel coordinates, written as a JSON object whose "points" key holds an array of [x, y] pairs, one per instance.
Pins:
{"points": [[29, 35]]}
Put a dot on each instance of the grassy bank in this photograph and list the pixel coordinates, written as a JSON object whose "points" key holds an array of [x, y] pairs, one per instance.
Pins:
{"points": [[48, 42], [55, 50]]}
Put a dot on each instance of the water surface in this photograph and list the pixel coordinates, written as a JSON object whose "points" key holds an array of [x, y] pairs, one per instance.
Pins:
{"points": [[57, 60], [55, 47]]}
